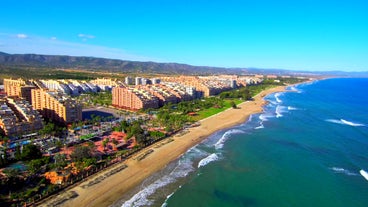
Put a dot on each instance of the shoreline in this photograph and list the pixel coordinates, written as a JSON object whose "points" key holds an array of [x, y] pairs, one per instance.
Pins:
{"points": [[113, 187]]}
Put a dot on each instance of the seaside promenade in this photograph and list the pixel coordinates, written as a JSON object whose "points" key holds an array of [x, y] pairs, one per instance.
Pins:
{"points": [[114, 185]]}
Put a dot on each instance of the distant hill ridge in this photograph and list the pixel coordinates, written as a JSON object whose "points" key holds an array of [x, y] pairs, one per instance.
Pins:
{"points": [[113, 65], [127, 66]]}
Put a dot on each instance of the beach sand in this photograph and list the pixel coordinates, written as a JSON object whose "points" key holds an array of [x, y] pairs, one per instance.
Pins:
{"points": [[113, 187]]}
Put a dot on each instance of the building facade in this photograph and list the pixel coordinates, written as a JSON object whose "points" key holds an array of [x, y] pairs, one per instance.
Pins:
{"points": [[56, 106], [133, 99], [17, 117]]}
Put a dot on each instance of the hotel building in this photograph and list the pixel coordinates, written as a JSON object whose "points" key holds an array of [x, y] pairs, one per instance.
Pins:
{"points": [[133, 98], [56, 106]]}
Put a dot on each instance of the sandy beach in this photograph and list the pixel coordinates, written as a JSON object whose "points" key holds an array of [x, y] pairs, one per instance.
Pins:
{"points": [[112, 187]]}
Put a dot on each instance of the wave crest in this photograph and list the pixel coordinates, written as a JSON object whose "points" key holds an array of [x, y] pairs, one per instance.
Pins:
{"points": [[344, 122], [290, 108], [279, 111], [182, 169], [208, 159], [220, 143], [277, 95], [343, 171], [364, 174]]}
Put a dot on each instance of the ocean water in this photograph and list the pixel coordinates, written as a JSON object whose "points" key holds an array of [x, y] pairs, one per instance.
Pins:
{"points": [[308, 148]]}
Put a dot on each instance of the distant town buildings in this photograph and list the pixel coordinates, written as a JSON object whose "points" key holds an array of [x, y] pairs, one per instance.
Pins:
{"points": [[52, 97], [107, 84], [17, 117]]}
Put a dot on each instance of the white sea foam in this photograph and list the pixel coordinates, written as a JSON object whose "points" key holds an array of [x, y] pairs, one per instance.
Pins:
{"points": [[167, 198], [184, 166], [264, 117], [141, 198], [260, 126], [279, 111], [344, 122], [364, 174], [290, 108], [277, 95], [294, 89], [351, 123], [210, 158], [220, 143], [343, 171]]}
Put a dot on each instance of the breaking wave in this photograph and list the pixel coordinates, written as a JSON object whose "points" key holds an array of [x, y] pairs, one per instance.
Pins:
{"points": [[343, 171], [364, 174], [279, 111], [277, 95], [210, 158], [344, 122], [182, 169], [290, 108], [261, 126], [220, 143]]}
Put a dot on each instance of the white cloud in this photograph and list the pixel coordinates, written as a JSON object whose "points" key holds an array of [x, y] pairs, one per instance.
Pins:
{"points": [[85, 36], [53, 38], [22, 36]]}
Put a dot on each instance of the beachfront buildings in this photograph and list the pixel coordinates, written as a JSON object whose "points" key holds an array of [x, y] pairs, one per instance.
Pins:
{"points": [[208, 85], [133, 98], [55, 106], [149, 95], [17, 117], [144, 94]]}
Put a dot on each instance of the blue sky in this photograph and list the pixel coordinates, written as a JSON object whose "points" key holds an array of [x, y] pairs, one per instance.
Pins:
{"points": [[298, 35]]}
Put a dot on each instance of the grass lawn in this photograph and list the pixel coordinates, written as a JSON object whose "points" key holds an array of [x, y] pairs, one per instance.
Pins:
{"points": [[212, 111]]}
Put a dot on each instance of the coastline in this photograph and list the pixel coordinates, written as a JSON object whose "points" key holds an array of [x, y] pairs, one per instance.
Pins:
{"points": [[114, 186]]}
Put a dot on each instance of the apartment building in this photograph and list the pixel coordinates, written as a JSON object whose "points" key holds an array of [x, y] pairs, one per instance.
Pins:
{"points": [[133, 98], [107, 83], [208, 85], [56, 106], [164, 95], [19, 88], [17, 117]]}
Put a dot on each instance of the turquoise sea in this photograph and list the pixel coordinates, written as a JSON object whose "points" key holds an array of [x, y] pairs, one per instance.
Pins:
{"points": [[306, 149]]}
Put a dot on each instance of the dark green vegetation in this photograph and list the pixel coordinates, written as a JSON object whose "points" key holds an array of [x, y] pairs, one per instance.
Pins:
{"points": [[49, 73]]}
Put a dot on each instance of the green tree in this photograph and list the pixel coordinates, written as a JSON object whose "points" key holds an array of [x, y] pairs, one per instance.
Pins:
{"points": [[18, 153], [114, 141], [60, 160], [141, 139], [35, 165], [48, 128], [105, 142], [80, 152], [233, 104], [31, 152]]}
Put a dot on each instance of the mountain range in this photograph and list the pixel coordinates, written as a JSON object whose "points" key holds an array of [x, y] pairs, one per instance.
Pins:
{"points": [[126, 66]]}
